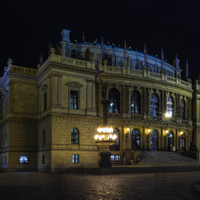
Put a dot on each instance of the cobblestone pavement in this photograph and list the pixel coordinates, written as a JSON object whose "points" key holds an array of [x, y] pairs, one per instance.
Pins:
{"points": [[34, 185]]}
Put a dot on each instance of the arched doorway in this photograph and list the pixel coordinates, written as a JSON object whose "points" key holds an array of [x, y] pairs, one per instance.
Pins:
{"points": [[135, 139], [154, 140], [169, 141]]}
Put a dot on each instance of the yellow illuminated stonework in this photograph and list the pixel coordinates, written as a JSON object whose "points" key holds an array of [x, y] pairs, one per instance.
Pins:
{"points": [[53, 112]]}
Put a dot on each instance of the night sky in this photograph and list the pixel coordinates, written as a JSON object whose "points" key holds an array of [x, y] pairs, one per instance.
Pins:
{"points": [[29, 26]]}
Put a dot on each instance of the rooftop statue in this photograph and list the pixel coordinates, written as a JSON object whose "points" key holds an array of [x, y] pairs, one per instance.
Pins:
{"points": [[58, 49], [87, 54]]}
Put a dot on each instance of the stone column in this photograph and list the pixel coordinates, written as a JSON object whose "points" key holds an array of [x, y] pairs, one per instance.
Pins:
{"points": [[144, 103], [88, 94], [10, 98], [122, 99], [162, 140], [124, 138], [149, 142], [59, 90], [177, 141], [93, 96], [54, 93], [163, 100], [129, 139], [39, 98], [144, 140], [186, 107], [177, 106], [148, 97]]}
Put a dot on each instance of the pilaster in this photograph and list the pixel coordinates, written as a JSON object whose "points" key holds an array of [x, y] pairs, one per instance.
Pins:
{"points": [[54, 92], [59, 89]]}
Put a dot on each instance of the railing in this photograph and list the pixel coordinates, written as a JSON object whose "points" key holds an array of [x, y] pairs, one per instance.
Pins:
{"points": [[145, 73], [156, 76], [23, 70], [171, 79]]}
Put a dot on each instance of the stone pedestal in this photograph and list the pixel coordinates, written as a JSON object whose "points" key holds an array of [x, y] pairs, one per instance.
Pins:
{"points": [[105, 159]]}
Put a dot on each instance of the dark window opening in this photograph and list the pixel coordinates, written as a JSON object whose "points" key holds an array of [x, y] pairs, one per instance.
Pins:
{"points": [[135, 102], [154, 105], [114, 101], [74, 136], [73, 99]]}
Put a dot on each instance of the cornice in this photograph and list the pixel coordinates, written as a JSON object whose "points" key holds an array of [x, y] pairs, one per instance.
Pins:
{"points": [[123, 77], [22, 76]]}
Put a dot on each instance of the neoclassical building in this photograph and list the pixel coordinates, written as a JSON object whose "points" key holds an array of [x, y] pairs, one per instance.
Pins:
{"points": [[50, 115]]}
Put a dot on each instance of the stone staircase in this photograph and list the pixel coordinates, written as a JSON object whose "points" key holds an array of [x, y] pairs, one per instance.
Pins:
{"points": [[165, 158]]}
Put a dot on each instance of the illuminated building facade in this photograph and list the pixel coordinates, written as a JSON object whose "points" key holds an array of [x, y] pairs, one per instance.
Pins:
{"points": [[50, 115]]}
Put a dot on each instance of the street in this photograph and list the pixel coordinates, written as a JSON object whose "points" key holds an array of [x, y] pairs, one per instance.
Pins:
{"points": [[34, 185]]}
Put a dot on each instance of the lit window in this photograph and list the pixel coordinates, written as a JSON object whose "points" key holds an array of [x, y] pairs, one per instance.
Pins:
{"points": [[75, 158], [170, 105], [112, 157], [154, 104], [117, 157], [74, 136], [23, 159], [73, 99]]}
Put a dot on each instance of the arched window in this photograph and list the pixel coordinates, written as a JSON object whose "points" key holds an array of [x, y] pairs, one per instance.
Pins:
{"points": [[170, 105], [135, 102], [116, 146], [135, 139], [154, 104], [114, 101], [182, 109], [74, 136]]}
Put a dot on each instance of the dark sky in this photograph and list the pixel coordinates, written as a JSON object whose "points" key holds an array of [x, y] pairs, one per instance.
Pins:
{"points": [[28, 27]]}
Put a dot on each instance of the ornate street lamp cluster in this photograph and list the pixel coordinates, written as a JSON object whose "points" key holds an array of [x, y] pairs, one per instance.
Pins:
{"points": [[105, 136]]}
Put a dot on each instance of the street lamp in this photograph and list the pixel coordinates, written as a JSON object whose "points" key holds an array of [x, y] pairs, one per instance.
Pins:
{"points": [[105, 136]]}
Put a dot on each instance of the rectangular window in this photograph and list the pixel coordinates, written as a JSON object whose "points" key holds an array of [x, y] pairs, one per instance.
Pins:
{"points": [[75, 158], [73, 99], [117, 157], [112, 157], [43, 159], [45, 101], [23, 159]]}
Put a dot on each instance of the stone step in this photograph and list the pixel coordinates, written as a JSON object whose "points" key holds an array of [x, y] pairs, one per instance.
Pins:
{"points": [[160, 157]]}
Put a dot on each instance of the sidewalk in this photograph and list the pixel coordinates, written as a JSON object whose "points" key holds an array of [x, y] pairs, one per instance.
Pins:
{"points": [[134, 169]]}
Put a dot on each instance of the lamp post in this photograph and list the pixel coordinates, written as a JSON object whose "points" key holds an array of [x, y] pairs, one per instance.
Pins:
{"points": [[105, 136]]}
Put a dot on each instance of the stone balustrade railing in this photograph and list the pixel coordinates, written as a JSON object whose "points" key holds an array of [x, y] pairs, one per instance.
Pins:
{"points": [[23, 70], [145, 73]]}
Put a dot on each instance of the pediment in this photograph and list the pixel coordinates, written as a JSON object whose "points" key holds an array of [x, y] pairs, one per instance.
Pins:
{"points": [[74, 84]]}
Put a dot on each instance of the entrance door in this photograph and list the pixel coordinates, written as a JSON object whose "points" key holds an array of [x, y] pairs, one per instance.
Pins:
{"points": [[182, 144], [170, 141], [154, 140]]}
